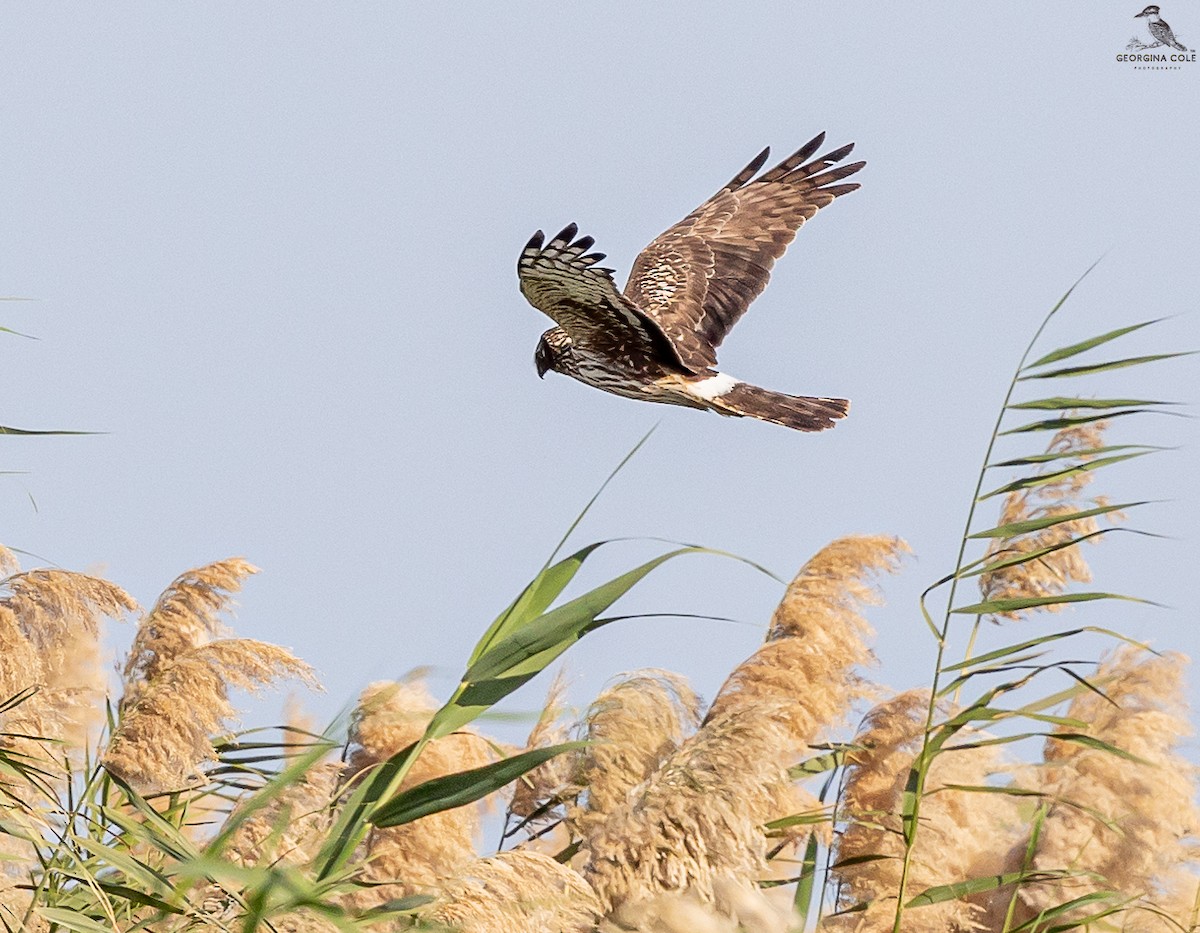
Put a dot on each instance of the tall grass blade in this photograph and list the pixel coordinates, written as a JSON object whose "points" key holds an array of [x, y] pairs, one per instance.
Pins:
{"points": [[1040, 479], [802, 902], [456, 790], [1069, 454], [1072, 371], [1057, 424], [992, 606], [1067, 403], [1083, 346], [1013, 529], [960, 889]]}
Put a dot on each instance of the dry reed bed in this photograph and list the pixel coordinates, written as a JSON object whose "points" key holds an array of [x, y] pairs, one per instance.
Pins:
{"points": [[804, 796], [657, 824]]}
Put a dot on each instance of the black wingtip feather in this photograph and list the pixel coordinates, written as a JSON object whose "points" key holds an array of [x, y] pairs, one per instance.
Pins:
{"points": [[567, 234], [838, 154], [748, 172], [835, 174]]}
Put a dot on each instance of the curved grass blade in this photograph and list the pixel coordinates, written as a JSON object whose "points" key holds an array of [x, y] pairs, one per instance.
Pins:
{"points": [[991, 606], [456, 790], [527, 649], [1057, 424], [1066, 454], [25, 433], [981, 567], [1010, 650], [546, 587], [1083, 346], [960, 889], [819, 764], [73, 920], [1071, 371], [1040, 479], [1012, 529], [802, 901], [1078, 923], [1060, 402], [553, 578]]}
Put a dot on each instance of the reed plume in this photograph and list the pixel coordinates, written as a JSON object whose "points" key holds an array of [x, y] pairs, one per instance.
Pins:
{"points": [[817, 639], [633, 726], [515, 892], [549, 784], [963, 835], [164, 737], [736, 908], [697, 820], [186, 616], [1131, 826], [49, 643], [1061, 494], [291, 826], [413, 857]]}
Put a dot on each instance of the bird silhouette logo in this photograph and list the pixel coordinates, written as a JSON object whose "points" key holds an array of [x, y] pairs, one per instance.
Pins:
{"points": [[1160, 33]]}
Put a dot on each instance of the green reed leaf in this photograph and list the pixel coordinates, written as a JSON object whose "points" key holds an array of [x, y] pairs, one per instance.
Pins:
{"points": [[1012, 529], [456, 790], [1067, 403], [1017, 603], [1057, 424], [1071, 371], [1041, 479], [1083, 346]]}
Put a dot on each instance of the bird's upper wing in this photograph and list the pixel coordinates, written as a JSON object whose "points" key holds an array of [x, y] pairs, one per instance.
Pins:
{"points": [[697, 279], [561, 279]]}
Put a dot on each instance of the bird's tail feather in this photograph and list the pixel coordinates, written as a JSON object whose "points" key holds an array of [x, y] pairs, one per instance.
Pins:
{"points": [[800, 412]]}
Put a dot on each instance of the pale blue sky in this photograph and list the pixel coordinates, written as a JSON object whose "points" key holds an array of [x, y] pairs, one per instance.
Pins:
{"points": [[273, 249]]}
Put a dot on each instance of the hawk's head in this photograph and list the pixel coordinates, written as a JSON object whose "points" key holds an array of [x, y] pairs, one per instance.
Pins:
{"points": [[553, 346]]}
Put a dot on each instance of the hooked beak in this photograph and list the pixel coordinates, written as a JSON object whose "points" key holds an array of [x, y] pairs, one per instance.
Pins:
{"points": [[542, 363]]}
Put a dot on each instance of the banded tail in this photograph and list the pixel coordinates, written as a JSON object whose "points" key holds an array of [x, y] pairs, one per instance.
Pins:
{"points": [[729, 396]]}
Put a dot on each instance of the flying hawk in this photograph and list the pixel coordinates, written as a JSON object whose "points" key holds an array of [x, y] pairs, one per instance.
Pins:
{"points": [[657, 341]]}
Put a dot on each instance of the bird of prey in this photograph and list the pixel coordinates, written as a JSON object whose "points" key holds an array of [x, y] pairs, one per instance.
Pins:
{"points": [[1159, 29], [657, 340]]}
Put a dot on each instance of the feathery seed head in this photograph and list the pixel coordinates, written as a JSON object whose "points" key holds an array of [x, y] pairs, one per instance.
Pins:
{"points": [[515, 892], [817, 638], [963, 835], [291, 827], [164, 736], [633, 726], [548, 782], [187, 615], [413, 857], [1051, 573], [1142, 822]]}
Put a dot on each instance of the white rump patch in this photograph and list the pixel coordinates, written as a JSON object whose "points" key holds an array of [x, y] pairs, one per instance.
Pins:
{"points": [[714, 386]]}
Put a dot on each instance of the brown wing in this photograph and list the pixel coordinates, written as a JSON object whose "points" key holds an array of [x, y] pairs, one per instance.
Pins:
{"points": [[561, 279], [697, 279]]}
